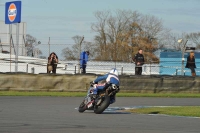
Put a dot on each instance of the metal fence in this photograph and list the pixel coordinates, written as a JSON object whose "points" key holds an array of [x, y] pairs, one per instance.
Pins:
{"points": [[37, 66]]}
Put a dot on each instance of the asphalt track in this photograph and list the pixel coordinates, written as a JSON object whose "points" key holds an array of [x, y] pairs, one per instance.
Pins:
{"points": [[59, 115]]}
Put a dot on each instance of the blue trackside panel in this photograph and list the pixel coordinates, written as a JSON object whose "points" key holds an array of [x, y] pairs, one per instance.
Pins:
{"points": [[171, 63]]}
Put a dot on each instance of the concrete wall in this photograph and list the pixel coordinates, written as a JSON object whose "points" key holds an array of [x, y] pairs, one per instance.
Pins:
{"points": [[140, 84], [5, 37], [161, 84]]}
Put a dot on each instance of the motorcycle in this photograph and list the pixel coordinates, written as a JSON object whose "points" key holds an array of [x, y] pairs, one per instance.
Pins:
{"points": [[101, 101]]}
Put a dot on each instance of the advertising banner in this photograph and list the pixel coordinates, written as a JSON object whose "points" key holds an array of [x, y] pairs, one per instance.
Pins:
{"points": [[13, 12]]}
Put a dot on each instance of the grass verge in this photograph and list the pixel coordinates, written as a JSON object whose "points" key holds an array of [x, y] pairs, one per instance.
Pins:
{"points": [[192, 111], [38, 93], [81, 94]]}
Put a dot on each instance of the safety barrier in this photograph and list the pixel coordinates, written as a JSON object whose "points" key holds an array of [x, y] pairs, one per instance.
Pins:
{"points": [[80, 82]]}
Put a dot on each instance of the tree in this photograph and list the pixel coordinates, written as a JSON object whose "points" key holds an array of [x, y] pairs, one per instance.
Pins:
{"points": [[30, 44], [119, 36], [68, 54], [173, 41], [195, 38], [74, 52]]}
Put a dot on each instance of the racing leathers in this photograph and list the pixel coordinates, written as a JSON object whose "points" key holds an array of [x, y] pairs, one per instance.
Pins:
{"points": [[110, 79]]}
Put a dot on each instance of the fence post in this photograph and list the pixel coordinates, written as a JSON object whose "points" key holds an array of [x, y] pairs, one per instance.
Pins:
{"points": [[150, 68], [26, 67], [75, 70], [122, 70], [65, 67], [33, 70]]}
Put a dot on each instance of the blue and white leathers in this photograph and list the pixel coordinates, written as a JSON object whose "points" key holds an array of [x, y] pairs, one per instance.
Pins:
{"points": [[110, 78]]}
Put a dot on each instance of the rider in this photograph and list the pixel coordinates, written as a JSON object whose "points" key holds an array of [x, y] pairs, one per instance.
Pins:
{"points": [[111, 78]]}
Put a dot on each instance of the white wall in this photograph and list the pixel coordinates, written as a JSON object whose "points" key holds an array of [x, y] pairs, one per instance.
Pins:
{"points": [[5, 37]]}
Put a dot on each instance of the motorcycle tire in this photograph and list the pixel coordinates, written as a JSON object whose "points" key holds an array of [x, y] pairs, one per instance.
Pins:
{"points": [[106, 102], [82, 107]]}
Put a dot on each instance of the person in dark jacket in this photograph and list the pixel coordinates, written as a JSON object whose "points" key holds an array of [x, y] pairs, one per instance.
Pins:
{"points": [[139, 61], [191, 63], [52, 63]]}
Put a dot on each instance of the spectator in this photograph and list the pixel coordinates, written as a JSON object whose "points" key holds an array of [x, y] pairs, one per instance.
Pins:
{"points": [[191, 63], [139, 61], [52, 63], [83, 61]]}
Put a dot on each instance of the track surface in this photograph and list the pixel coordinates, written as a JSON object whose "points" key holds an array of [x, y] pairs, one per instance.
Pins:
{"points": [[59, 115]]}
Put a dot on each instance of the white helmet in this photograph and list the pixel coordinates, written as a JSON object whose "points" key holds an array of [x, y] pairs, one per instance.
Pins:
{"points": [[114, 71]]}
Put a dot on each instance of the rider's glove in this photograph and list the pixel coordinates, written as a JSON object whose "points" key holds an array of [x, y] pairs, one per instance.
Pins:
{"points": [[117, 89]]}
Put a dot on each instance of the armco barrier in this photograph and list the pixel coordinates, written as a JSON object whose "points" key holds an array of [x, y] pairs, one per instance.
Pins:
{"points": [[80, 83]]}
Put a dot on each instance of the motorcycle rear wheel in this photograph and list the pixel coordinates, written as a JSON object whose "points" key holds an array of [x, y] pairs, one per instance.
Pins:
{"points": [[106, 102]]}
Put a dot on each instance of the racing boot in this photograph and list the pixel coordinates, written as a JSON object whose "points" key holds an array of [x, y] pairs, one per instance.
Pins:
{"points": [[112, 101]]}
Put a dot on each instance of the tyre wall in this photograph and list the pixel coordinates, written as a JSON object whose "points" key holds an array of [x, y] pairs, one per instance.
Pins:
{"points": [[79, 82]]}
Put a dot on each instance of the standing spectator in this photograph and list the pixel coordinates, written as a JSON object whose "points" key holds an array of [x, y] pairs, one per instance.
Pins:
{"points": [[139, 61], [83, 61], [52, 63], [191, 63]]}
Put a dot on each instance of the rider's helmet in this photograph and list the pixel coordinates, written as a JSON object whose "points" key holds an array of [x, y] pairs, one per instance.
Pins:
{"points": [[114, 71]]}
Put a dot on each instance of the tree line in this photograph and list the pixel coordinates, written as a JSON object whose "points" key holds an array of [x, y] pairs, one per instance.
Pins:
{"points": [[119, 35]]}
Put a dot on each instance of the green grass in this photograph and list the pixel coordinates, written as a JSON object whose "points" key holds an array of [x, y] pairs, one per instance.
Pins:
{"points": [[81, 94], [192, 111], [56, 94], [175, 95]]}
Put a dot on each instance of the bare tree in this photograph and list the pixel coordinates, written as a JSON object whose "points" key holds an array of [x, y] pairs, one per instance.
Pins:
{"points": [[30, 44], [120, 35], [110, 30], [68, 54], [174, 44], [74, 52], [99, 28], [150, 25], [165, 39], [195, 38]]}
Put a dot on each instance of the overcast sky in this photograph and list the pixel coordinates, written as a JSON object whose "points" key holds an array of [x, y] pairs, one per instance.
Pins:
{"points": [[62, 19]]}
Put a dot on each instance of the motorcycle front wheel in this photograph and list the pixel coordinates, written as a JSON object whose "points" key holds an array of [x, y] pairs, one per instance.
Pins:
{"points": [[82, 107]]}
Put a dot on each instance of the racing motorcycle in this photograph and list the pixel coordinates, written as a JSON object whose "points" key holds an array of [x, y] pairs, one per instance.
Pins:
{"points": [[101, 101]]}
